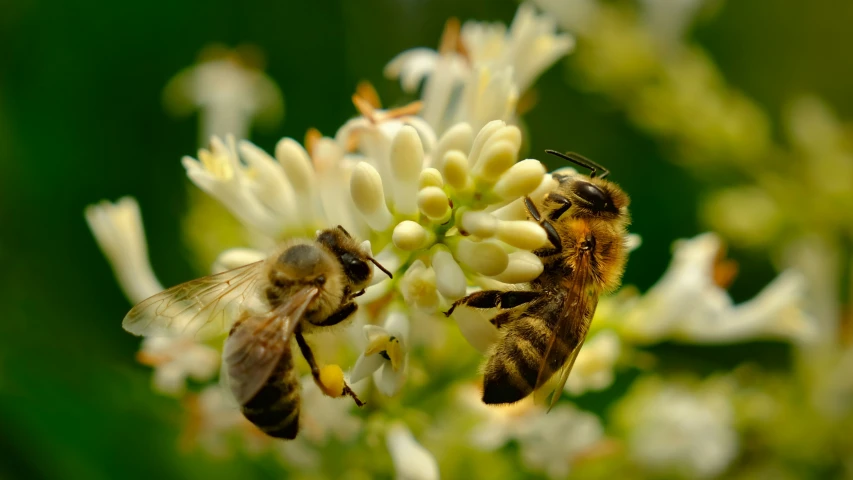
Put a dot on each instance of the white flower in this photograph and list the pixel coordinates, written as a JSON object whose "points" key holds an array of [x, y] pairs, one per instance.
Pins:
{"points": [[117, 228], [671, 427], [552, 442], [411, 460], [175, 359], [418, 287], [483, 65], [386, 354], [229, 92], [687, 304], [282, 196]]}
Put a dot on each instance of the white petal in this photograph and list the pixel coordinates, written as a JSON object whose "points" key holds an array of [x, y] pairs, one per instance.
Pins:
{"points": [[365, 366], [475, 327], [450, 279], [236, 257], [119, 233], [411, 460], [388, 380]]}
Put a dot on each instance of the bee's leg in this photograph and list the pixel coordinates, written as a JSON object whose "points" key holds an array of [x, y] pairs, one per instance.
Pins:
{"points": [[563, 202], [315, 370], [495, 298], [550, 231], [503, 318], [339, 315]]}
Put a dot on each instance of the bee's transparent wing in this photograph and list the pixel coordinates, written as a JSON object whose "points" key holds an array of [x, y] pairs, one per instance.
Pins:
{"points": [[256, 344], [203, 308], [572, 326]]}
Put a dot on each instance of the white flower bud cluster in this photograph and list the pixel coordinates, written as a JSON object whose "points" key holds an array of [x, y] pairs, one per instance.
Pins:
{"points": [[437, 206]]}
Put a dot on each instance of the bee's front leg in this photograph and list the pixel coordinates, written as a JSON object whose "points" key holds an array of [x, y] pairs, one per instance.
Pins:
{"points": [[344, 312], [550, 231]]}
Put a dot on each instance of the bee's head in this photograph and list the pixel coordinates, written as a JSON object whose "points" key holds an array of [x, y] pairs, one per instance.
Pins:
{"points": [[353, 258], [596, 199], [590, 195]]}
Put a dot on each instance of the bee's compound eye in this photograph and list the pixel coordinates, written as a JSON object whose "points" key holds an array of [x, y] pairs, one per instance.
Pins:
{"points": [[594, 196], [356, 269]]}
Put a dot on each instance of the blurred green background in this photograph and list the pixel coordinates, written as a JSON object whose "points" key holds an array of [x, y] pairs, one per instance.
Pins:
{"points": [[81, 120]]}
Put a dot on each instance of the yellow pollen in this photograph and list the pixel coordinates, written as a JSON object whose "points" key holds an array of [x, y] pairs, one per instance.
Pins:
{"points": [[332, 380]]}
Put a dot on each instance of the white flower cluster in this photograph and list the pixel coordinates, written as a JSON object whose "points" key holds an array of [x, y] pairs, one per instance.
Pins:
{"points": [[686, 304], [676, 428]]}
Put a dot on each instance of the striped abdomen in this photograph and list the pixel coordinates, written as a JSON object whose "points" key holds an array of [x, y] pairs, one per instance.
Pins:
{"points": [[275, 408], [512, 370]]}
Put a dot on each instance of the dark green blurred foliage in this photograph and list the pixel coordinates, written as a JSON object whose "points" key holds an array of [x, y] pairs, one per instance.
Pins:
{"points": [[81, 120]]}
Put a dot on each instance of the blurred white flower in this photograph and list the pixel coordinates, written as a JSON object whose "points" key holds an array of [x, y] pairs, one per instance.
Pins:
{"points": [[668, 20], [673, 428], [323, 417], [686, 303], [229, 90], [215, 420], [411, 460], [117, 228], [479, 72], [550, 442], [177, 358], [386, 354], [596, 362]]}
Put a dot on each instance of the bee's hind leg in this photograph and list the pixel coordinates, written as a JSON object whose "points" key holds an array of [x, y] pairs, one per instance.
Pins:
{"points": [[315, 371], [495, 298]]}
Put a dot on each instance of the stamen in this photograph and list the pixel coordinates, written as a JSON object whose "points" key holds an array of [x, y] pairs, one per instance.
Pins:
{"points": [[365, 90], [312, 136]]}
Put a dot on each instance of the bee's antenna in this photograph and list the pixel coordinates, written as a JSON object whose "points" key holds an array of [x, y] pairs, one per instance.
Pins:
{"points": [[582, 161], [380, 267]]}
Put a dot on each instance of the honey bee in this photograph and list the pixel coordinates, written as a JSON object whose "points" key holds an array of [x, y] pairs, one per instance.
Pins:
{"points": [[543, 325], [303, 286]]}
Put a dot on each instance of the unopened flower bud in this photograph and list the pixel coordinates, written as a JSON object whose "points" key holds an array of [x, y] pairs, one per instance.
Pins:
{"points": [[430, 177], [433, 202], [407, 160], [522, 234], [479, 223], [368, 196], [523, 267], [521, 179], [409, 235], [486, 257], [456, 169]]}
